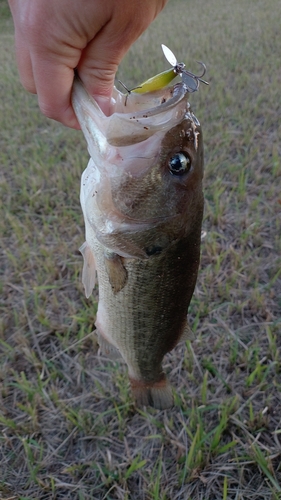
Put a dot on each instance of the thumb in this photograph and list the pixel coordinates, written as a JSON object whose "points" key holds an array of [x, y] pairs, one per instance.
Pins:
{"points": [[100, 58], [97, 69]]}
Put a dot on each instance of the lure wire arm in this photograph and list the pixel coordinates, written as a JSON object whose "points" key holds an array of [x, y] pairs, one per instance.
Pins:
{"points": [[128, 90]]}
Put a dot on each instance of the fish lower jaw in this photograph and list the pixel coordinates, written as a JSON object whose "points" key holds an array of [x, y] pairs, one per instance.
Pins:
{"points": [[156, 394]]}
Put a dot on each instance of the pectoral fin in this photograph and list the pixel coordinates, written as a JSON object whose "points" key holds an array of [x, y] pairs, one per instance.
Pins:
{"points": [[117, 273], [89, 269]]}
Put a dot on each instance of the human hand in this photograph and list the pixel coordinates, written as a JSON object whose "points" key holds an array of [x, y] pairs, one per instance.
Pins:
{"points": [[53, 37]]}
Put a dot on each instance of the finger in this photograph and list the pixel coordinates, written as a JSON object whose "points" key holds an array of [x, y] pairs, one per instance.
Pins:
{"points": [[22, 52], [53, 82], [97, 68], [24, 65]]}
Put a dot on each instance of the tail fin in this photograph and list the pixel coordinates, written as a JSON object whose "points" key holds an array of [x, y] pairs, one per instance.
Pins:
{"points": [[156, 394]]}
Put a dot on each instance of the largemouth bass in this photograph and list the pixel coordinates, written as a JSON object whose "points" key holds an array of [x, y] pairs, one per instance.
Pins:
{"points": [[142, 200]]}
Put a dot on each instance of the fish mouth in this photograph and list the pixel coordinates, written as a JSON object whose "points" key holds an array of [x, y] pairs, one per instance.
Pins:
{"points": [[132, 118], [147, 104], [133, 105]]}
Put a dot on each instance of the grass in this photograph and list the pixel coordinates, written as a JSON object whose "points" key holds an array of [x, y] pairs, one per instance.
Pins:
{"points": [[69, 429]]}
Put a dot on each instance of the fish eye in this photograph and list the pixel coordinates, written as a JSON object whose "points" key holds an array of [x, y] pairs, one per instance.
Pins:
{"points": [[179, 163]]}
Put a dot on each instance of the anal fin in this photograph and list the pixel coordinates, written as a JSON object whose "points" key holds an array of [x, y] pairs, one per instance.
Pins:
{"points": [[89, 269], [187, 334], [117, 273], [106, 348]]}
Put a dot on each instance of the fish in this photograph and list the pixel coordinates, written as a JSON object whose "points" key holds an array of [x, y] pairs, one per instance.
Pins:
{"points": [[142, 201]]}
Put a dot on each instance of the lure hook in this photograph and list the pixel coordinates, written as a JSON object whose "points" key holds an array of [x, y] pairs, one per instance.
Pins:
{"points": [[204, 69]]}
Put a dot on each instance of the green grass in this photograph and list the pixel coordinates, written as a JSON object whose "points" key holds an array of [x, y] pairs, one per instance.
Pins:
{"points": [[69, 429]]}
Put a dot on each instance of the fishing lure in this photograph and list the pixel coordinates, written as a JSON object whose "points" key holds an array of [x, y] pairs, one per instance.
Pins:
{"points": [[160, 80], [189, 79]]}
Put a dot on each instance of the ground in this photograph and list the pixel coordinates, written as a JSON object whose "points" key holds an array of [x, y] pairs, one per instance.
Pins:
{"points": [[69, 428]]}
